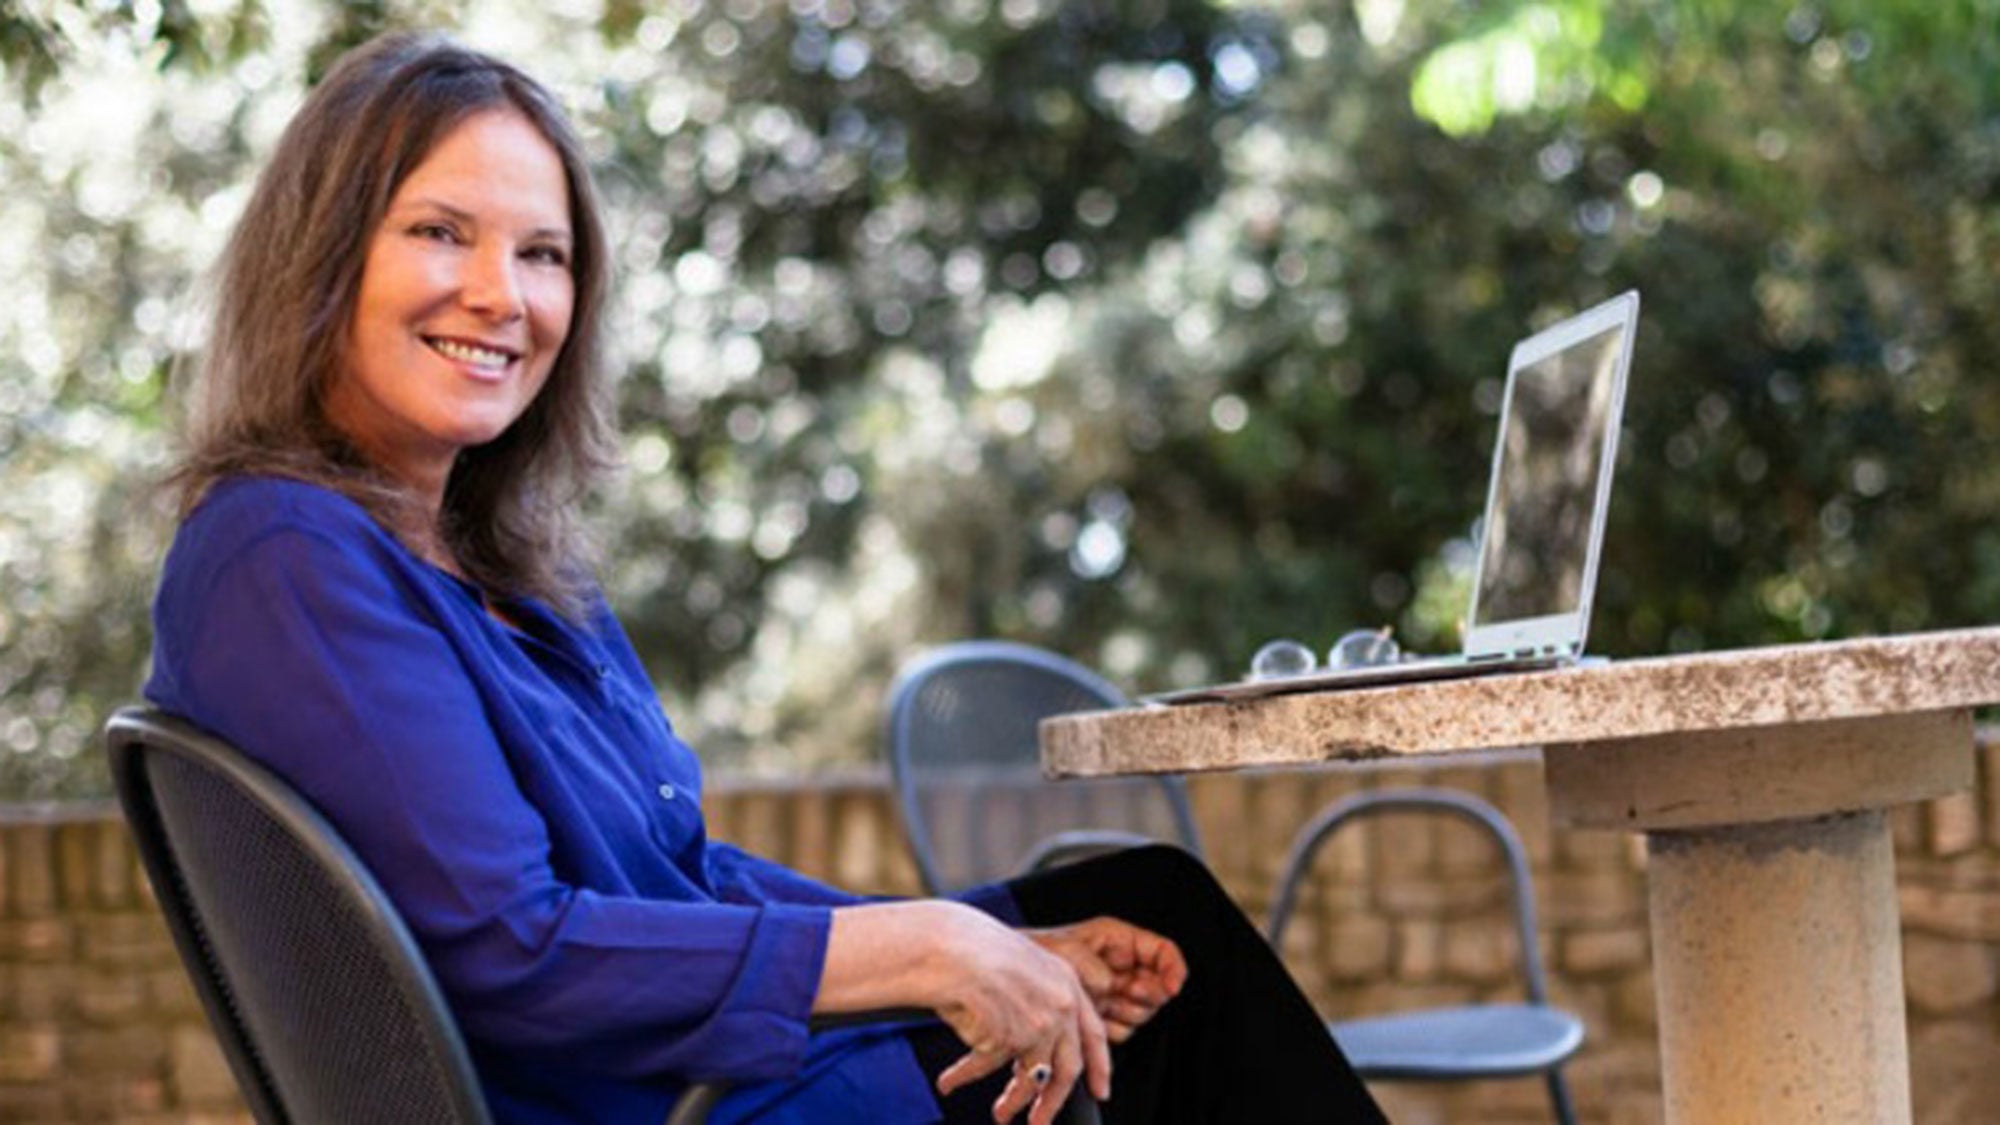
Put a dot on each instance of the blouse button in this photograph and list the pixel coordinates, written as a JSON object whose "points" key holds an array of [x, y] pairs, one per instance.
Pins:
{"points": [[604, 671], [667, 791]]}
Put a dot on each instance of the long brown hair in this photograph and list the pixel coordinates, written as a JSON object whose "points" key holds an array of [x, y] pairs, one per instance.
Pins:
{"points": [[287, 288]]}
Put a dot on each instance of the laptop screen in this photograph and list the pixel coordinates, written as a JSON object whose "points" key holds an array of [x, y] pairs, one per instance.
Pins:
{"points": [[1535, 556]]}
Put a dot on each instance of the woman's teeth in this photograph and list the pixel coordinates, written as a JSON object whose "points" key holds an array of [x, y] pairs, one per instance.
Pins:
{"points": [[469, 353]]}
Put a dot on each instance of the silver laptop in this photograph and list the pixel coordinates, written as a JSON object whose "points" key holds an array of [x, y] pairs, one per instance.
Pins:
{"points": [[1545, 510]]}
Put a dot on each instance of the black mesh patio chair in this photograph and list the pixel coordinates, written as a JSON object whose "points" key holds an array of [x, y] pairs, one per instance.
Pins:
{"points": [[1476, 1041], [319, 996], [963, 748]]}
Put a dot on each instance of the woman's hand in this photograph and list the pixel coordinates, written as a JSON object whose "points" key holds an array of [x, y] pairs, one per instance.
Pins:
{"points": [[1012, 1001], [1017, 1003], [1129, 973]]}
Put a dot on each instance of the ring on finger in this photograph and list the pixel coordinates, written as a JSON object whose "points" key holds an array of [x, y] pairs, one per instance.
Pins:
{"points": [[1040, 1074]]}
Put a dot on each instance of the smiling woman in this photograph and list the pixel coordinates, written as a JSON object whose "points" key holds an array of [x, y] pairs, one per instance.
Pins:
{"points": [[372, 593]]}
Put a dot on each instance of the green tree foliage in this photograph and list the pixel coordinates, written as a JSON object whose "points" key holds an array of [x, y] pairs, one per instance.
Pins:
{"points": [[1145, 330]]}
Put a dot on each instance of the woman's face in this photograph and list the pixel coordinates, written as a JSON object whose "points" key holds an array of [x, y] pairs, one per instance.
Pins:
{"points": [[464, 303]]}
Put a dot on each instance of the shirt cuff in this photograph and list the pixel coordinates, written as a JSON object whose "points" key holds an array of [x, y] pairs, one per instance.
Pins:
{"points": [[994, 899]]}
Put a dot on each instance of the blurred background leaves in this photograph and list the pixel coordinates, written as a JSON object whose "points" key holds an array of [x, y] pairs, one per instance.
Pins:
{"points": [[1144, 330]]}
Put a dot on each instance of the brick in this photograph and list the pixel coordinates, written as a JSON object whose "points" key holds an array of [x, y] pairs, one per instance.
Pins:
{"points": [[1405, 844], [1419, 951], [1358, 948], [1946, 975], [1955, 1071], [133, 1049], [1408, 1103], [1524, 798], [114, 867], [109, 996], [198, 1072], [1334, 894], [863, 843], [812, 833], [1637, 858], [1635, 1003], [1588, 953], [170, 993], [1951, 824], [1642, 1107], [117, 1098], [38, 1103], [1906, 828], [761, 829], [73, 847], [38, 992], [1521, 1102], [1280, 808], [1382, 996], [1591, 849], [1604, 1072], [38, 940], [1596, 899], [1437, 896], [32, 889], [1482, 954], [127, 940], [1221, 807], [1988, 785], [29, 1053], [1465, 850], [1949, 912], [1347, 855]]}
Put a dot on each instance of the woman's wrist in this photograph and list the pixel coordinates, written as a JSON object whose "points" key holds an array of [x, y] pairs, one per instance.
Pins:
{"points": [[895, 955]]}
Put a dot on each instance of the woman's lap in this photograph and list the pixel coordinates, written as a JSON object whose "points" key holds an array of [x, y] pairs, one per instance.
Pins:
{"points": [[1240, 1042]]}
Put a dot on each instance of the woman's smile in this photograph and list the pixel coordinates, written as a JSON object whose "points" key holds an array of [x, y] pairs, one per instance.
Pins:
{"points": [[481, 361]]}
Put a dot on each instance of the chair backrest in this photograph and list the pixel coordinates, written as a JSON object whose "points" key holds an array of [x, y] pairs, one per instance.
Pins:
{"points": [[1461, 805], [320, 998], [963, 747]]}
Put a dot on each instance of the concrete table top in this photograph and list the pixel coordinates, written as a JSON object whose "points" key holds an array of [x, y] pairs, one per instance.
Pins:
{"points": [[1760, 778], [1719, 691]]}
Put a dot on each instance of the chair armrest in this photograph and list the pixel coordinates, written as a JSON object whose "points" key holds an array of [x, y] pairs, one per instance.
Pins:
{"points": [[699, 1100], [1068, 847]]}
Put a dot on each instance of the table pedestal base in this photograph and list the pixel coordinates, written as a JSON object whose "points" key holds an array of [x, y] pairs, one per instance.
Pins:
{"points": [[1777, 954], [1793, 917]]}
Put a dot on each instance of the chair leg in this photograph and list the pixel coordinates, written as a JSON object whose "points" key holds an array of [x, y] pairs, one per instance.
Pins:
{"points": [[1559, 1095], [693, 1107]]}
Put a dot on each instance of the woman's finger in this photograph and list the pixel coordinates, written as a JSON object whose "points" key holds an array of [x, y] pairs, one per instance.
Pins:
{"points": [[1095, 1047], [1123, 1017], [1020, 1092], [970, 1067]]}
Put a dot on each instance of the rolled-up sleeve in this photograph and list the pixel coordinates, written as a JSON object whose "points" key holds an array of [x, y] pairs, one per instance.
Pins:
{"points": [[300, 646]]}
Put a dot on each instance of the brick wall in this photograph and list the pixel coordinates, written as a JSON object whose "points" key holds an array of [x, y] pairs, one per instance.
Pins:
{"points": [[97, 1022]]}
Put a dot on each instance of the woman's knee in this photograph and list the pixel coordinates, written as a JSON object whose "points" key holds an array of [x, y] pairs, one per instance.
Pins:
{"points": [[1168, 863]]}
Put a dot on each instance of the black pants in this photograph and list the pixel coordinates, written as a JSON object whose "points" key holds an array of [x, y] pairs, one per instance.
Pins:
{"points": [[1240, 1043]]}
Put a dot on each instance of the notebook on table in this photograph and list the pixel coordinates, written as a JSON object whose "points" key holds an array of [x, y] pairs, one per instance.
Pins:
{"points": [[1546, 504]]}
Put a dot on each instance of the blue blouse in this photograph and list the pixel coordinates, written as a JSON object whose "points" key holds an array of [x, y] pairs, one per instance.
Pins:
{"points": [[529, 809]]}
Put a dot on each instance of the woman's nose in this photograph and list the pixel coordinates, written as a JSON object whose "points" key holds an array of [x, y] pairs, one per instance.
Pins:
{"points": [[491, 285]]}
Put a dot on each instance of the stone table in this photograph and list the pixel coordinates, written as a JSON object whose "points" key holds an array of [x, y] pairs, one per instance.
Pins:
{"points": [[1760, 778]]}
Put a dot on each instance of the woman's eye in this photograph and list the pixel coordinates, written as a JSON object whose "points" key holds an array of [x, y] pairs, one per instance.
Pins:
{"points": [[435, 232], [547, 255]]}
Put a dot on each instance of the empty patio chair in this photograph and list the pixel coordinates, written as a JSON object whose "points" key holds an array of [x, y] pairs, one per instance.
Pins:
{"points": [[1474, 1041], [963, 748]]}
